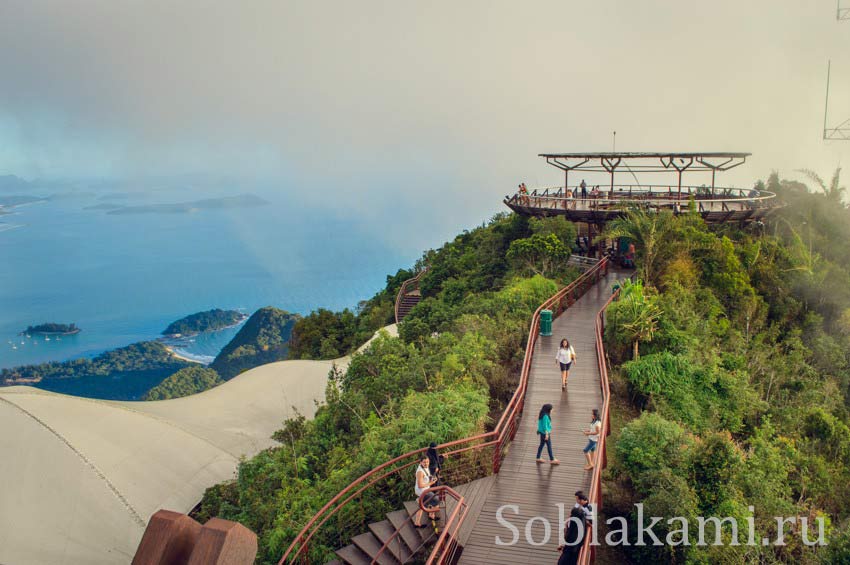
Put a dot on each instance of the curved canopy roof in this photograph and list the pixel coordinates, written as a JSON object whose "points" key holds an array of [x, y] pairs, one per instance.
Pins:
{"points": [[82, 477], [679, 162]]}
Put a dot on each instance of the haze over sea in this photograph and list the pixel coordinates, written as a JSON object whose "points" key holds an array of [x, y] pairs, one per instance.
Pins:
{"points": [[124, 277]]}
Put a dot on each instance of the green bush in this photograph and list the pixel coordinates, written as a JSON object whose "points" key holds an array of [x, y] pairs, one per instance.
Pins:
{"points": [[650, 443]]}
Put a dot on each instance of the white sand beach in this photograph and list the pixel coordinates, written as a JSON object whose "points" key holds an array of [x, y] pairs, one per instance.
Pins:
{"points": [[83, 476]]}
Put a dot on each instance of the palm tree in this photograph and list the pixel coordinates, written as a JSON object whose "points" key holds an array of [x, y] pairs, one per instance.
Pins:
{"points": [[833, 192], [635, 315], [650, 231]]}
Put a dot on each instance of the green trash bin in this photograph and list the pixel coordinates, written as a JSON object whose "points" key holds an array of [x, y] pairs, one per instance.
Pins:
{"points": [[546, 323]]}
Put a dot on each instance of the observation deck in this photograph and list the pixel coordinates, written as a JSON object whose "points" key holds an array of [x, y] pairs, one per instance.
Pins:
{"points": [[603, 199]]}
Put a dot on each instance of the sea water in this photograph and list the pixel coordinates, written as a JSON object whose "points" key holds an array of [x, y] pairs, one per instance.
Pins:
{"points": [[123, 278]]}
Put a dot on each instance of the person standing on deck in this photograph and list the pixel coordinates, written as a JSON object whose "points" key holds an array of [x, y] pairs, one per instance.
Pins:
{"points": [[565, 357], [544, 430], [592, 439], [523, 195], [583, 190]]}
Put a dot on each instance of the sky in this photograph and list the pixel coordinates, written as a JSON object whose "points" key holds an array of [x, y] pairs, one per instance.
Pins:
{"points": [[417, 116]]}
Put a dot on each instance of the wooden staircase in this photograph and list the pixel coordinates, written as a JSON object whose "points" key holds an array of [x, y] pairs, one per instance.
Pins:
{"points": [[406, 543], [408, 301], [402, 539], [408, 296]]}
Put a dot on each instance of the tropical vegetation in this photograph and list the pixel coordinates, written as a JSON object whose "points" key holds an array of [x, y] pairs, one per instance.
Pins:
{"points": [[738, 404]]}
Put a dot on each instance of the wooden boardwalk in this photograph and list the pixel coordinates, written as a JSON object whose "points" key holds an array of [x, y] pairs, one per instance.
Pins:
{"points": [[536, 489]]}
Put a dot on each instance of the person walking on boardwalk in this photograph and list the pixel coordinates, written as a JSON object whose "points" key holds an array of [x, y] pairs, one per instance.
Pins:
{"points": [[565, 357], [544, 430], [592, 439]]}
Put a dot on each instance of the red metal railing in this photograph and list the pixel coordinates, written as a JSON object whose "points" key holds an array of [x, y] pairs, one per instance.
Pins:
{"points": [[587, 553], [446, 549], [498, 439]]}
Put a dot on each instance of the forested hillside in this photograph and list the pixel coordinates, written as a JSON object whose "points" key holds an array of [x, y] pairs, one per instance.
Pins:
{"points": [[209, 320], [732, 360], [731, 376], [186, 381], [147, 356], [263, 339], [454, 366]]}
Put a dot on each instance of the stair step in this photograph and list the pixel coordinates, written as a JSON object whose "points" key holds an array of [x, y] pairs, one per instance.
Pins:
{"points": [[401, 521], [370, 545], [386, 534], [425, 534], [352, 555]]}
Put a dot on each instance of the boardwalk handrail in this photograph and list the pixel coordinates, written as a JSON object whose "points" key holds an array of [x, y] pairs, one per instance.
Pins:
{"points": [[587, 552], [406, 287], [499, 438], [581, 261]]}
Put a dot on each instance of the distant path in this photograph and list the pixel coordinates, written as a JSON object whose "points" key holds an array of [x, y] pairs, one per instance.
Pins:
{"points": [[535, 488]]}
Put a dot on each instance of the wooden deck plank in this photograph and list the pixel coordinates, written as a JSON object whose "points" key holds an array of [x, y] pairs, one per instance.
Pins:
{"points": [[536, 489]]}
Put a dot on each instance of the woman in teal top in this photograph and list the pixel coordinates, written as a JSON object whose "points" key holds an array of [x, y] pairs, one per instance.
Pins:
{"points": [[544, 430]]}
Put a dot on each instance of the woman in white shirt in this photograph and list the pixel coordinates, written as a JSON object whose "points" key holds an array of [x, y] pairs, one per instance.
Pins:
{"points": [[565, 357], [424, 481], [592, 439]]}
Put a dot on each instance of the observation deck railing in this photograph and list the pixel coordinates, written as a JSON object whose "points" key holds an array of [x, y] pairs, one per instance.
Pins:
{"points": [[624, 195], [471, 458]]}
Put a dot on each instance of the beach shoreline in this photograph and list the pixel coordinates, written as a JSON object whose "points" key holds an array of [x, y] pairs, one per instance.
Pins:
{"points": [[180, 356]]}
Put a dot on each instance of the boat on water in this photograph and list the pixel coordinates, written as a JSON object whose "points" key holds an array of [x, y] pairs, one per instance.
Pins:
{"points": [[46, 338]]}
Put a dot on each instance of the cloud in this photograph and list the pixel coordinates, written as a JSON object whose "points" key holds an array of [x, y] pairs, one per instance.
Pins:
{"points": [[375, 106]]}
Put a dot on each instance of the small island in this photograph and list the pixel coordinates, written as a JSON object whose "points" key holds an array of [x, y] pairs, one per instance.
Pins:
{"points": [[52, 328], [208, 321]]}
